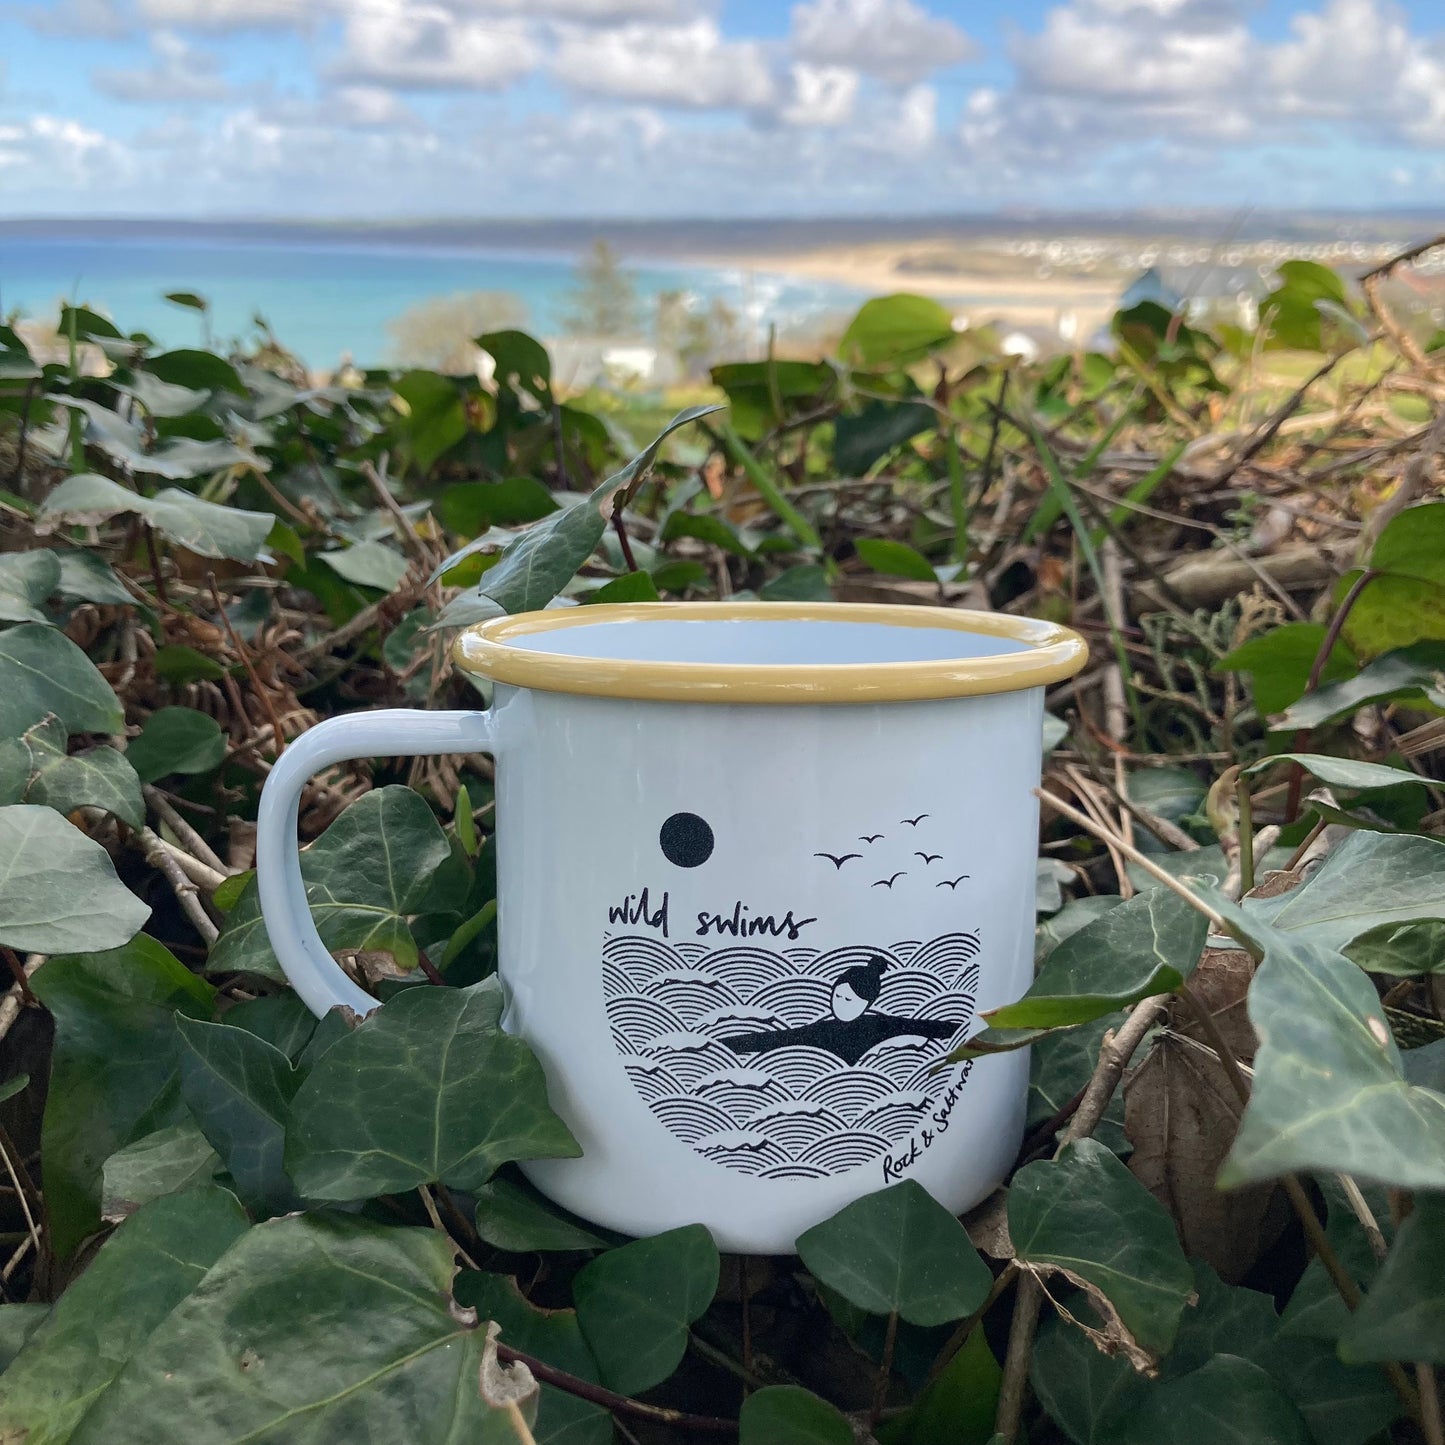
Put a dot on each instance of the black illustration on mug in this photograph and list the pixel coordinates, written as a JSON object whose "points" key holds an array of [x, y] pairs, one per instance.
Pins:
{"points": [[780, 1060]]}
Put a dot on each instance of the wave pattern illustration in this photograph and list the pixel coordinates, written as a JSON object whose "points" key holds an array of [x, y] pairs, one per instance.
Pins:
{"points": [[795, 1111]]}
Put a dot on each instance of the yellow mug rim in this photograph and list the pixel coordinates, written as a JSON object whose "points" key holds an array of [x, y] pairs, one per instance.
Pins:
{"points": [[497, 649]]}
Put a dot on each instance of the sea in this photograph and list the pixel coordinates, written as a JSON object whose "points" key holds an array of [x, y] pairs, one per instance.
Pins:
{"points": [[330, 299]]}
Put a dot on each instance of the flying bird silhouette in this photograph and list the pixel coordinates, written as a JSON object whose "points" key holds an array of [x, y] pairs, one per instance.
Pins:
{"points": [[914, 822], [869, 837], [951, 882], [889, 882], [835, 860], [928, 857]]}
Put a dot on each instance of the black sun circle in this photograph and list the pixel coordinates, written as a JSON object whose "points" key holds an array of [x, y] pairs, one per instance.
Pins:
{"points": [[686, 840]]}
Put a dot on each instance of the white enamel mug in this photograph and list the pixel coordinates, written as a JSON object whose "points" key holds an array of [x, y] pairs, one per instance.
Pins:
{"points": [[760, 868]]}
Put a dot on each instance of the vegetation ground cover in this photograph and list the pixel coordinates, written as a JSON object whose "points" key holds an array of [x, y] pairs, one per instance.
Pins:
{"points": [[1227, 1220]]}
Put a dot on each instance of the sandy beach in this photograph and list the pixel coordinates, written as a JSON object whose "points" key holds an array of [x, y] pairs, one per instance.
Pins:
{"points": [[983, 285]]}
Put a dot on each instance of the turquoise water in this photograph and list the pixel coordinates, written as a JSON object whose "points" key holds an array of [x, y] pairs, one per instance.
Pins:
{"points": [[326, 300]]}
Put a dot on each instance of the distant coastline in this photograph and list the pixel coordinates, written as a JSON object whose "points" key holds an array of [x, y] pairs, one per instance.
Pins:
{"points": [[333, 287], [749, 236]]}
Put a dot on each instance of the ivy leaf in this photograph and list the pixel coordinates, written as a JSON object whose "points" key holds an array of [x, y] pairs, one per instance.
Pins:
{"points": [[365, 876], [1279, 664], [1405, 601], [1084, 1213], [368, 564], [551, 1335], [205, 528], [1411, 674], [958, 1405], [635, 1303], [1369, 880], [115, 1076], [43, 672], [309, 1329], [1329, 1092], [895, 559], [1315, 1310], [86, 578], [17, 1322], [147, 1267], [534, 568], [898, 1249], [239, 1090], [1227, 1399], [177, 740], [26, 580], [1401, 949], [1089, 1395], [58, 889], [517, 1219], [1060, 1065], [896, 330], [1403, 1315], [791, 1415], [1147, 945], [47, 774], [1342, 772], [431, 1054], [861, 440], [170, 1160], [281, 1019]]}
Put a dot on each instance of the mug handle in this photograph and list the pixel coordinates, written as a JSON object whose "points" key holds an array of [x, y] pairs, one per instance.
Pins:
{"points": [[395, 732]]}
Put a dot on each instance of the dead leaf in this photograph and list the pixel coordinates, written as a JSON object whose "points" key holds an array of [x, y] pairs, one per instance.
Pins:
{"points": [[1181, 1113], [1114, 1338], [987, 1226], [504, 1386]]}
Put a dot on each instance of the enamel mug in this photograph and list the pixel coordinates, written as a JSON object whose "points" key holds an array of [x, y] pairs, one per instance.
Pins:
{"points": [[760, 868]]}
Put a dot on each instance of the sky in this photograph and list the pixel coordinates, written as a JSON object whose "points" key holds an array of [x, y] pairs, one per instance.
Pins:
{"points": [[639, 108]]}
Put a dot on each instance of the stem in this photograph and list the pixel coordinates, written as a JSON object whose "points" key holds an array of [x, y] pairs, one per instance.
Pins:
{"points": [[241, 651], [1317, 668], [1430, 1417], [1113, 1060], [885, 1371], [611, 1400], [1016, 1364], [518, 1422], [1106, 836], [623, 541], [155, 561], [23, 439], [956, 1341], [764, 483], [22, 982], [1246, 835]]}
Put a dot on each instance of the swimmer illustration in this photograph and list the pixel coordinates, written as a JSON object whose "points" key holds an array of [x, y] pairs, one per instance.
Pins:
{"points": [[851, 1030], [772, 1027]]}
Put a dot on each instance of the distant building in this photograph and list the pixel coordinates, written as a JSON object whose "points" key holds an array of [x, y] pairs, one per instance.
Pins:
{"points": [[1203, 293]]}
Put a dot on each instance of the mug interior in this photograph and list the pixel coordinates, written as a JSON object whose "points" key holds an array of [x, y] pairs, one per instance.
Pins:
{"points": [[766, 642]]}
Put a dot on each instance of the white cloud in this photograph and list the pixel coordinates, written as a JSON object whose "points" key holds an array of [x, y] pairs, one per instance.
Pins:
{"points": [[691, 65], [1357, 60], [49, 155], [822, 95], [1171, 50], [229, 14], [94, 19], [179, 73], [895, 40], [597, 12], [413, 45], [1115, 73]]}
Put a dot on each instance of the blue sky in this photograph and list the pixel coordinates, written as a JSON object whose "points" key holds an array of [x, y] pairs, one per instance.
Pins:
{"points": [[374, 108]]}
